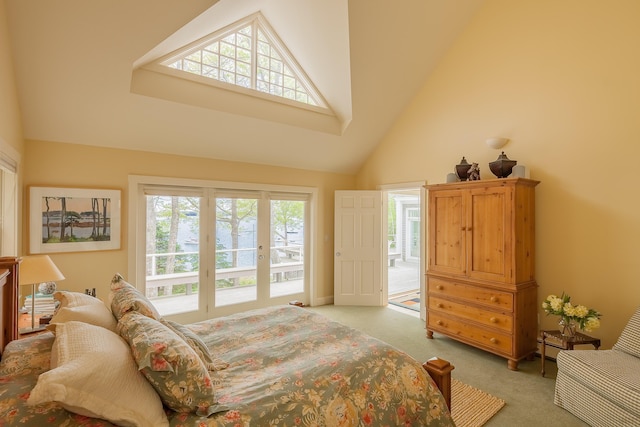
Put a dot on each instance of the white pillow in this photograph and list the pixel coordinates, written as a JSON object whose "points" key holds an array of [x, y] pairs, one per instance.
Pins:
{"points": [[74, 299], [83, 308], [93, 314], [95, 375]]}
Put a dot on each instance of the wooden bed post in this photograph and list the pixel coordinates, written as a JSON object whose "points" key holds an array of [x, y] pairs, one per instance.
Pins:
{"points": [[440, 371]]}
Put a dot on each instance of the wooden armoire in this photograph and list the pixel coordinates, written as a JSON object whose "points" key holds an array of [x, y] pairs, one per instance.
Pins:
{"points": [[481, 288]]}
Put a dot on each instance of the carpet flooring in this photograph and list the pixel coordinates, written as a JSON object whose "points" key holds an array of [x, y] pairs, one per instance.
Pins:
{"points": [[410, 301]]}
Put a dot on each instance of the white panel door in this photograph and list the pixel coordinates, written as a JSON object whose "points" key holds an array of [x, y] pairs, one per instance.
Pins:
{"points": [[358, 248]]}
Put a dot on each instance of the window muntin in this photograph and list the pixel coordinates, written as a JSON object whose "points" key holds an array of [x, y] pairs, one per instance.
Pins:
{"points": [[249, 55]]}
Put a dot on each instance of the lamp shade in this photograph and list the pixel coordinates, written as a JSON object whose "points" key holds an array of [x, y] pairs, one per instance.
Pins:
{"points": [[36, 269]]}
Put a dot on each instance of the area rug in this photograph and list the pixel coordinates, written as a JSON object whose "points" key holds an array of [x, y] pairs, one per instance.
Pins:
{"points": [[472, 407], [410, 301]]}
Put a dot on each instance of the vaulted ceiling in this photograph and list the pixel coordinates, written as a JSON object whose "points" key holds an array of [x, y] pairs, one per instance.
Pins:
{"points": [[78, 65]]}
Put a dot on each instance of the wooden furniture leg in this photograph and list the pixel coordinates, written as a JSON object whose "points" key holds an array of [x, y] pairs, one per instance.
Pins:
{"points": [[542, 352], [440, 372]]}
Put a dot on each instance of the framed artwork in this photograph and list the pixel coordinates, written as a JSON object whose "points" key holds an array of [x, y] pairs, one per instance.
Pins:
{"points": [[73, 219]]}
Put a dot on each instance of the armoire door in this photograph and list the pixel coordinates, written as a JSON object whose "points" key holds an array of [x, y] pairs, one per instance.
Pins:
{"points": [[489, 234], [447, 228]]}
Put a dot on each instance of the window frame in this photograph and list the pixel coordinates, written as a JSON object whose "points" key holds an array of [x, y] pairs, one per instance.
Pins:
{"points": [[9, 199], [256, 21]]}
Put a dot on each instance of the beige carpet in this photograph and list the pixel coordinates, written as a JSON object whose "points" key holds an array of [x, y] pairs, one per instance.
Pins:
{"points": [[472, 407]]}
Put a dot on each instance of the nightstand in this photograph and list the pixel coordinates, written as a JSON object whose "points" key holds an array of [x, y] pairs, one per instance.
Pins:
{"points": [[553, 338]]}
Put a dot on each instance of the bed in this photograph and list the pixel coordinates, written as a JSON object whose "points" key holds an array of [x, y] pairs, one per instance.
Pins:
{"points": [[282, 365]]}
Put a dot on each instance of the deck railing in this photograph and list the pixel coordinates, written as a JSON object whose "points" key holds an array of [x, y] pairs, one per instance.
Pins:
{"points": [[292, 261]]}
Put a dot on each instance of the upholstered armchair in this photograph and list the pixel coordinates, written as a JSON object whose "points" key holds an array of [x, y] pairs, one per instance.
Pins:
{"points": [[602, 387]]}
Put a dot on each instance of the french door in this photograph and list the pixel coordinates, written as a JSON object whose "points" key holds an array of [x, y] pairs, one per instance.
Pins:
{"points": [[237, 249], [211, 252]]}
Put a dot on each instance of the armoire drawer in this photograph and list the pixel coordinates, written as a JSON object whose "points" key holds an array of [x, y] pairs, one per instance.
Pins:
{"points": [[464, 331], [475, 294], [477, 314]]}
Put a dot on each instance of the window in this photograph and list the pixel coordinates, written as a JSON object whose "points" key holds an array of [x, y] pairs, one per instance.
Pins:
{"points": [[250, 55], [219, 247], [8, 202]]}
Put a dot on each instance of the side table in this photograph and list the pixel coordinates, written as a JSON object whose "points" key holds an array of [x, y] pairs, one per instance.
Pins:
{"points": [[553, 338]]}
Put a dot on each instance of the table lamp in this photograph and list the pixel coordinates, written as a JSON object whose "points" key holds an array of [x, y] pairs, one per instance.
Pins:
{"points": [[36, 269]]}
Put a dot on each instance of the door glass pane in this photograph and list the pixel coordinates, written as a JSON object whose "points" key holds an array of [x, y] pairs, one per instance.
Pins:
{"points": [[287, 247], [172, 256], [236, 250], [414, 230]]}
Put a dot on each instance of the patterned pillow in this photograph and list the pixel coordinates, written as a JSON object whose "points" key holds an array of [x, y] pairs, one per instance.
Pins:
{"points": [[125, 297], [94, 375], [629, 340], [196, 343], [169, 364], [75, 306]]}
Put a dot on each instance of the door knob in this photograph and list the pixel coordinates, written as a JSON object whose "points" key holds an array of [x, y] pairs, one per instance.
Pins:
{"points": [[338, 254]]}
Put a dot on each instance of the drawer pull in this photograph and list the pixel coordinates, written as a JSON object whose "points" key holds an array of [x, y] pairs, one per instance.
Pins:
{"points": [[439, 287], [493, 299], [440, 305], [493, 340], [439, 322], [493, 320]]}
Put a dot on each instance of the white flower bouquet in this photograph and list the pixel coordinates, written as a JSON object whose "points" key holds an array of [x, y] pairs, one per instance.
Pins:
{"points": [[587, 319]]}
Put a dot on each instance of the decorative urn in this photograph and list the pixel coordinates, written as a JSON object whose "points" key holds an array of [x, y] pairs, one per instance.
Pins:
{"points": [[501, 167], [462, 169]]}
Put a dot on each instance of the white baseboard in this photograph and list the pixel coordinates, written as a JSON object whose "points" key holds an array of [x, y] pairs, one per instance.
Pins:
{"points": [[322, 301]]}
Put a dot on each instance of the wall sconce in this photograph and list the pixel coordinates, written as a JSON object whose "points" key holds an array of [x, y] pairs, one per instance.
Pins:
{"points": [[36, 269], [497, 143]]}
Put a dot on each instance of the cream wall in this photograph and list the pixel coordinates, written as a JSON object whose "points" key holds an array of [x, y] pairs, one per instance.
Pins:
{"points": [[11, 139], [58, 164], [10, 124], [561, 79]]}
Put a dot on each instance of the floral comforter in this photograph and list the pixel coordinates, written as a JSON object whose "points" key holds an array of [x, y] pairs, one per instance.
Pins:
{"points": [[287, 366]]}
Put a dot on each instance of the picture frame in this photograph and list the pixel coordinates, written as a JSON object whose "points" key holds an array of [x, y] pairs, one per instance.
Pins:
{"points": [[65, 219]]}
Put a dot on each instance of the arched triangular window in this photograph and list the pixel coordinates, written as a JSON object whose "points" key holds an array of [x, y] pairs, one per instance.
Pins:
{"points": [[250, 55]]}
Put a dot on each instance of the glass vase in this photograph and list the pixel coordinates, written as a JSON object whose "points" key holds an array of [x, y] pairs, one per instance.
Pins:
{"points": [[567, 327]]}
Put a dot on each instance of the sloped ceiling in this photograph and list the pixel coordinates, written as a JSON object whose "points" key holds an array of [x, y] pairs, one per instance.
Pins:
{"points": [[75, 59]]}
